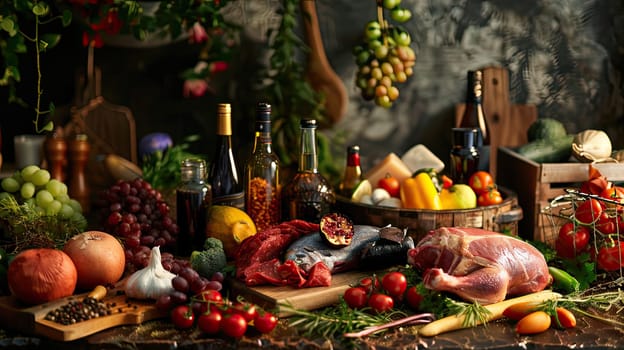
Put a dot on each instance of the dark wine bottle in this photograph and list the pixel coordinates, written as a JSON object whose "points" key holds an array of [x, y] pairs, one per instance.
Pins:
{"points": [[474, 117], [227, 188]]}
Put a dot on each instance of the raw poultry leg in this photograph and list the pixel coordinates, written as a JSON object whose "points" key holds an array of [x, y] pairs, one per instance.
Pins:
{"points": [[486, 285]]}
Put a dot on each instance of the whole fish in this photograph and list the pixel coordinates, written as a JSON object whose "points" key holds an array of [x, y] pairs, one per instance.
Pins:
{"points": [[312, 248]]}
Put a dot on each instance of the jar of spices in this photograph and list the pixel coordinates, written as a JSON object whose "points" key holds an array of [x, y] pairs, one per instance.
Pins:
{"points": [[464, 154]]}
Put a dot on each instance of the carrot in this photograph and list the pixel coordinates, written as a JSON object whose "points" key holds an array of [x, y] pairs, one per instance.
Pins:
{"points": [[565, 318], [519, 310], [533, 323], [454, 322]]}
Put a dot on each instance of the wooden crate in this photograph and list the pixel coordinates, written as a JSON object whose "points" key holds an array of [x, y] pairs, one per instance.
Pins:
{"points": [[537, 184]]}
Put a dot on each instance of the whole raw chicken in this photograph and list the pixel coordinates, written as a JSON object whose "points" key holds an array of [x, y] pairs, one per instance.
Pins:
{"points": [[479, 265]]}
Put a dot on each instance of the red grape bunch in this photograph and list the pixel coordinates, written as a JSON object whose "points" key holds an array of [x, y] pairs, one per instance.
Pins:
{"points": [[384, 57], [136, 213]]}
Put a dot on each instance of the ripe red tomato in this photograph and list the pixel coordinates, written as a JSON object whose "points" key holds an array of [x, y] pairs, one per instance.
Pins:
{"points": [[265, 322], [370, 284], [610, 258], [247, 310], [210, 323], [615, 193], [394, 283], [380, 302], [589, 211], [390, 184], [571, 240], [413, 297], [491, 197], [356, 297], [210, 298], [182, 317], [481, 181], [607, 224], [234, 325]]}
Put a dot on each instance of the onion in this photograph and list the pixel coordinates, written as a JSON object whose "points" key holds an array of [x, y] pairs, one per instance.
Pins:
{"points": [[99, 258], [40, 275]]}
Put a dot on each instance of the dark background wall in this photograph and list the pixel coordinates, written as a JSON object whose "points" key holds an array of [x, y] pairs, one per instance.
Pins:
{"points": [[566, 57]]}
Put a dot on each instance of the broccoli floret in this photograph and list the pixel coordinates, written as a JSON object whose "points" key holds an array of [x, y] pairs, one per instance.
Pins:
{"points": [[210, 260]]}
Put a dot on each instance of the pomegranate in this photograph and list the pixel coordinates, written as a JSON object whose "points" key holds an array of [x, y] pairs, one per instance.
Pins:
{"points": [[337, 229], [99, 258], [37, 276]]}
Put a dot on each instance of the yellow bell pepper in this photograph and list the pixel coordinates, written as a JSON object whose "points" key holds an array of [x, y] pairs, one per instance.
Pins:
{"points": [[419, 192]]}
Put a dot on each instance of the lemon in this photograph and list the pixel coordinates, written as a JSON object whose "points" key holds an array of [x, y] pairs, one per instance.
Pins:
{"points": [[230, 225], [458, 196], [363, 188]]}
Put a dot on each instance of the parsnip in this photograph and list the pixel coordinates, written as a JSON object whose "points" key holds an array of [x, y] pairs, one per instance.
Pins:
{"points": [[454, 322]]}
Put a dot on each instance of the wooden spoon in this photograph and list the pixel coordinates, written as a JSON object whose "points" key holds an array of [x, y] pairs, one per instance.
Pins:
{"points": [[319, 73]]}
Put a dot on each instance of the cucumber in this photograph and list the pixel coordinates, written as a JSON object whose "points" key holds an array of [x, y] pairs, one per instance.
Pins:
{"points": [[548, 151]]}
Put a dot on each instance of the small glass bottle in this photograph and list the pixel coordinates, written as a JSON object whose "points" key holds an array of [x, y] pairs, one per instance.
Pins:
{"points": [[192, 201], [464, 154], [353, 172], [309, 195], [474, 116], [262, 197], [227, 188]]}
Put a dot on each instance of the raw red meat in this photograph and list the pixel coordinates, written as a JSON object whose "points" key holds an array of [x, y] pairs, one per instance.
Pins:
{"points": [[318, 276], [479, 265], [258, 257]]}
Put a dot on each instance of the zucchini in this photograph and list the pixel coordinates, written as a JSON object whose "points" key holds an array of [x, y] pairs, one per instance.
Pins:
{"points": [[548, 151]]}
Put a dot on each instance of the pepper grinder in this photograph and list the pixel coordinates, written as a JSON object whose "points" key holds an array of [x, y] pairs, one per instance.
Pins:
{"points": [[78, 156], [56, 154]]}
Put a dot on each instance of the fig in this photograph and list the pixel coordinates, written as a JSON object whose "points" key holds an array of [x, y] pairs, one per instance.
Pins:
{"points": [[337, 229]]}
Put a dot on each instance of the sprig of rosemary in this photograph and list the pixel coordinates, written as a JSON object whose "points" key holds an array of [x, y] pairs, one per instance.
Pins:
{"points": [[336, 320]]}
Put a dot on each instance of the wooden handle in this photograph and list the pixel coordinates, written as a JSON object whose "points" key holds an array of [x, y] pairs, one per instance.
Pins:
{"points": [[313, 32]]}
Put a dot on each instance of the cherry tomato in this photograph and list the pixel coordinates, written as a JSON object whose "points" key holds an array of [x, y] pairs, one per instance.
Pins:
{"points": [[491, 197], [610, 258], [390, 184], [607, 224], [182, 317], [210, 298], [413, 297], [481, 182], [447, 182], [535, 322], [356, 297], [615, 193], [380, 302], [210, 323], [394, 283], [265, 322], [247, 310], [565, 318], [589, 211], [571, 240], [370, 284], [233, 325]]}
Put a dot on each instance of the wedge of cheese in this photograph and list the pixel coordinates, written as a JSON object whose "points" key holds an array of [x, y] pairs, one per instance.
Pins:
{"points": [[392, 165]]}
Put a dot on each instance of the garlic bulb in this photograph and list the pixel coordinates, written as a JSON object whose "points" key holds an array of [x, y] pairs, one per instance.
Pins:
{"points": [[591, 145], [152, 281]]}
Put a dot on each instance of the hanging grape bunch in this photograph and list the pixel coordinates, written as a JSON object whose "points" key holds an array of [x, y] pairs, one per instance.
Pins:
{"points": [[384, 57]]}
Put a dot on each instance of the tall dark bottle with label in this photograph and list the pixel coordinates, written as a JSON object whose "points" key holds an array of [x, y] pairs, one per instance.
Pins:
{"points": [[474, 117], [308, 196], [227, 187], [262, 197]]}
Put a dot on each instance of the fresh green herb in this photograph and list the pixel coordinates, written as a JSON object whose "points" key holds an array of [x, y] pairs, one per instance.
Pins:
{"points": [[24, 227], [336, 320], [582, 268], [162, 169]]}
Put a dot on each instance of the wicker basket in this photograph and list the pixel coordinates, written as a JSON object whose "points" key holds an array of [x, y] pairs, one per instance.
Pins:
{"points": [[502, 217]]}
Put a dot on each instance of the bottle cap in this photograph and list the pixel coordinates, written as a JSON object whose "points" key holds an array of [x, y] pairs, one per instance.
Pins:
{"points": [[353, 149], [466, 137], [263, 112], [308, 123], [193, 168]]}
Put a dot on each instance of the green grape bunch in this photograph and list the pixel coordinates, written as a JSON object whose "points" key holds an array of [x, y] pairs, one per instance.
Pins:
{"points": [[384, 56], [36, 210]]}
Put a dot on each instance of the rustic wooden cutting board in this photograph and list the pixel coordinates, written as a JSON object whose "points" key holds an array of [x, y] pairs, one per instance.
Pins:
{"points": [[31, 319], [270, 297]]}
